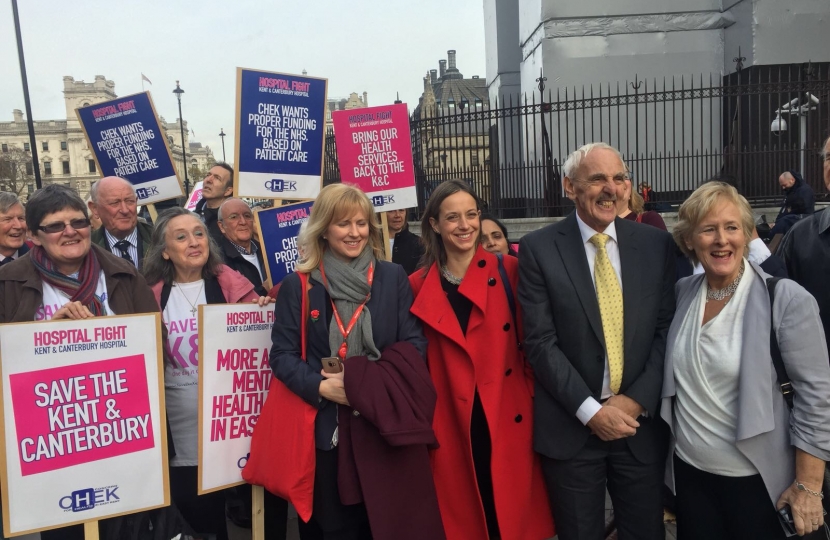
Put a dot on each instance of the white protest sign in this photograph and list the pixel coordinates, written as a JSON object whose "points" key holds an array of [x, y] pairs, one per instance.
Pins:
{"points": [[84, 431], [234, 375]]}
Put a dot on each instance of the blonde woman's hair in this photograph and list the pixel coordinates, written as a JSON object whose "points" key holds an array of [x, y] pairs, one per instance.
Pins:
{"points": [[636, 203], [699, 204], [336, 202]]}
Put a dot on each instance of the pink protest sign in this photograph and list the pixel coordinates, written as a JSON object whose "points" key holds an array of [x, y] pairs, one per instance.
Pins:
{"points": [[81, 413], [374, 152]]}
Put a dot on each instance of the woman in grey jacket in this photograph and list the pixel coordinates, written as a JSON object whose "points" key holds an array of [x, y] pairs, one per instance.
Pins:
{"points": [[738, 454]]}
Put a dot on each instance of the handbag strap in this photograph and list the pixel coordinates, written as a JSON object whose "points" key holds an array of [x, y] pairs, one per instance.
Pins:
{"points": [[508, 290], [778, 362], [303, 313]]}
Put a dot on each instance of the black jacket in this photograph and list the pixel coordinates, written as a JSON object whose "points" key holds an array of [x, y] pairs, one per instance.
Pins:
{"points": [[210, 216], [798, 199], [806, 253], [235, 260], [407, 250]]}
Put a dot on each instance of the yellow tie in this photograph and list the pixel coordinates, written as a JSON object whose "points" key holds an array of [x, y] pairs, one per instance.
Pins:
{"points": [[610, 301]]}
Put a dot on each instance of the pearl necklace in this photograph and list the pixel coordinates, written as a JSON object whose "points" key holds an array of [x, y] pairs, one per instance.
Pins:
{"points": [[729, 290], [449, 277]]}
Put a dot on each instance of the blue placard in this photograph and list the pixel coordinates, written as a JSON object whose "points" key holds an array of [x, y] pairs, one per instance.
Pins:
{"points": [[127, 140], [278, 229], [281, 122]]}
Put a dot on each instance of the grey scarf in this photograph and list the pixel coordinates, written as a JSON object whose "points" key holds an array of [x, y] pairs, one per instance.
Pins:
{"points": [[348, 287]]}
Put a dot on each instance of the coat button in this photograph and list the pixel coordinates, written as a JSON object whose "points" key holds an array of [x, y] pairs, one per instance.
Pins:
{"points": [[506, 327], [355, 413], [491, 282], [481, 263], [518, 418], [508, 372]]}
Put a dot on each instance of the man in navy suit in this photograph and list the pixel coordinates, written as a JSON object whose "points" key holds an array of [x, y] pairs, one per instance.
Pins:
{"points": [[597, 353]]}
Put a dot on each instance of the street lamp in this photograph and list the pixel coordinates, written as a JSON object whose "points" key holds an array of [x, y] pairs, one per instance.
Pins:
{"points": [[796, 108], [222, 134], [178, 91]]}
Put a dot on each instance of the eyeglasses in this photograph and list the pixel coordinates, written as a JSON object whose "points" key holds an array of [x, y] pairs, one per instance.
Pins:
{"points": [[77, 224], [236, 217]]}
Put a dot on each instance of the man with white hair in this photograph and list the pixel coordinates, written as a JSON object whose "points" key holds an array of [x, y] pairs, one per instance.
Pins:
{"points": [[114, 200], [12, 228], [239, 249], [597, 296]]}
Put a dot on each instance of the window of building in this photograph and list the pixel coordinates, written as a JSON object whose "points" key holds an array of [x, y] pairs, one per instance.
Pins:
{"points": [[65, 165], [45, 145], [30, 188], [92, 166], [26, 147], [478, 103], [29, 169], [464, 103], [63, 145], [451, 103], [47, 168], [474, 159], [5, 147]]}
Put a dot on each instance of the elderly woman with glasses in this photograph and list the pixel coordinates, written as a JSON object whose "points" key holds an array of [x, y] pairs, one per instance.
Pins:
{"points": [[64, 276]]}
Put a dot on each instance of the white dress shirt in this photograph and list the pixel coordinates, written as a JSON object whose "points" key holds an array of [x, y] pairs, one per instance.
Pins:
{"points": [[590, 406]]}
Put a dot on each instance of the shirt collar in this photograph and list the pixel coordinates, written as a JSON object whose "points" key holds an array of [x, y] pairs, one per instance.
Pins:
{"points": [[587, 232], [132, 238], [241, 249]]}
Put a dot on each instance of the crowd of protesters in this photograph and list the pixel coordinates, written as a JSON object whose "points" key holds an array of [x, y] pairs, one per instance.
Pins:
{"points": [[466, 388]]}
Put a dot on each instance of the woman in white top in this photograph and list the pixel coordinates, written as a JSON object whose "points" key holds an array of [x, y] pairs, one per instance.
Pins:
{"points": [[739, 455]]}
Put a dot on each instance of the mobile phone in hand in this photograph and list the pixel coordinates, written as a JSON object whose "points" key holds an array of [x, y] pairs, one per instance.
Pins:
{"points": [[332, 364], [786, 519]]}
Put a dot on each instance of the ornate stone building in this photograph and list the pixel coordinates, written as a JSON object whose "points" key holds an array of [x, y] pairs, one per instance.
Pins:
{"points": [[344, 104], [63, 153]]}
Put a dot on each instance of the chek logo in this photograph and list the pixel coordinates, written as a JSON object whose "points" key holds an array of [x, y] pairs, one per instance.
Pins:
{"points": [[89, 498], [383, 200], [277, 185], [143, 193]]}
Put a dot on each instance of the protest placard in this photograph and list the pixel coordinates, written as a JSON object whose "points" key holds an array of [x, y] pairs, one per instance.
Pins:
{"points": [[278, 228], [83, 425], [194, 197], [280, 135], [127, 140], [375, 154], [234, 375]]}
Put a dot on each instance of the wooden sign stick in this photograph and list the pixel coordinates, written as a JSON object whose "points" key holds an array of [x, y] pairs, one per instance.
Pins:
{"points": [[91, 530], [384, 225], [153, 213], [257, 513]]}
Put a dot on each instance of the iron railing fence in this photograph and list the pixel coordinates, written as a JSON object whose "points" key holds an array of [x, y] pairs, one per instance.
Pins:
{"points": [[673, 134]]}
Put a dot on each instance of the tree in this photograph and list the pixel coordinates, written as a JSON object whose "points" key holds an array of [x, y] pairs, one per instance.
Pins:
{"points": [[16, 170]]}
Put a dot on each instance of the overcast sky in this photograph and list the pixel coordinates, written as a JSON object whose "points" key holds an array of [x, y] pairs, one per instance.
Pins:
{"points": [[378, 46]]}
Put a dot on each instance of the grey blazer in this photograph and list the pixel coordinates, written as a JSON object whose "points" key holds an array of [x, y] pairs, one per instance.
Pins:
{"points": [[766, 431]]}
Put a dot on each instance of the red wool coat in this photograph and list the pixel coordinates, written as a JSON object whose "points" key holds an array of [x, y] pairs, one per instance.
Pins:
{"points": [[487, 358]]}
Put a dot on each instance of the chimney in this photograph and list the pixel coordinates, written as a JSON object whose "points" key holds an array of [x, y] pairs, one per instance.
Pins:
{"points": [[365, 99], [442, 67], [18, 115], [433, 75], [451, 57]]}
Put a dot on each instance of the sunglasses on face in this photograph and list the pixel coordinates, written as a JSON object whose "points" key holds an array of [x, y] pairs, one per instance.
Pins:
{"points": [[77, 224]]}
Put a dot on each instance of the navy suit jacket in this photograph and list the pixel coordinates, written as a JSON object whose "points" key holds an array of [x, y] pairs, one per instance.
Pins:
{"points": [[391, 322]]}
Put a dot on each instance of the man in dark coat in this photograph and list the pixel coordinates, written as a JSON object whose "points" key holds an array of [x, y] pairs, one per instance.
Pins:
{"points": [[597, 297], [806, 252], [799, 202], [113, 199], [406, 246], [216, 187], [239, 250]]}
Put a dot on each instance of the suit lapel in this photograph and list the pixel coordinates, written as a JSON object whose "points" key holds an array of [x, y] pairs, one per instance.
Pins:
{"points": [[434, 310], [632, 288], [572, 251]]}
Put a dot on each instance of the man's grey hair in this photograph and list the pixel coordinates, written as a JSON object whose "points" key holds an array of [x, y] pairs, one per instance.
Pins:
{"points": [[226, 201], [824, 149], [93, 190], [7, 200], [575, 159]]}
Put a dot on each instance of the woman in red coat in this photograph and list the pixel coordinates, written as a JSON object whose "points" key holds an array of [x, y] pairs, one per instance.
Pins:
{"points": [[488, 478]]}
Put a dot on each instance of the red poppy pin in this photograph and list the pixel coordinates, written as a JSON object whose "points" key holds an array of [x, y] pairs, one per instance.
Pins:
{"points": [[315, 314]]}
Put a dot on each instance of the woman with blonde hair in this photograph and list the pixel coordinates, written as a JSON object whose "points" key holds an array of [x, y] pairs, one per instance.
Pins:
{"points": [[632, 207], [740, 345], [361, 370]]}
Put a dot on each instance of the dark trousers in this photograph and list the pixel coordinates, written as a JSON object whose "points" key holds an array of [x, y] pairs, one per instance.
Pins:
{"points": [[336, 520], [577, 492], [204, 513], [717, 507]]}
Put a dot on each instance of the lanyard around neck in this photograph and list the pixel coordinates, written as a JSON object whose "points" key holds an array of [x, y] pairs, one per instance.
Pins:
{"points": [[345, 331]]}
